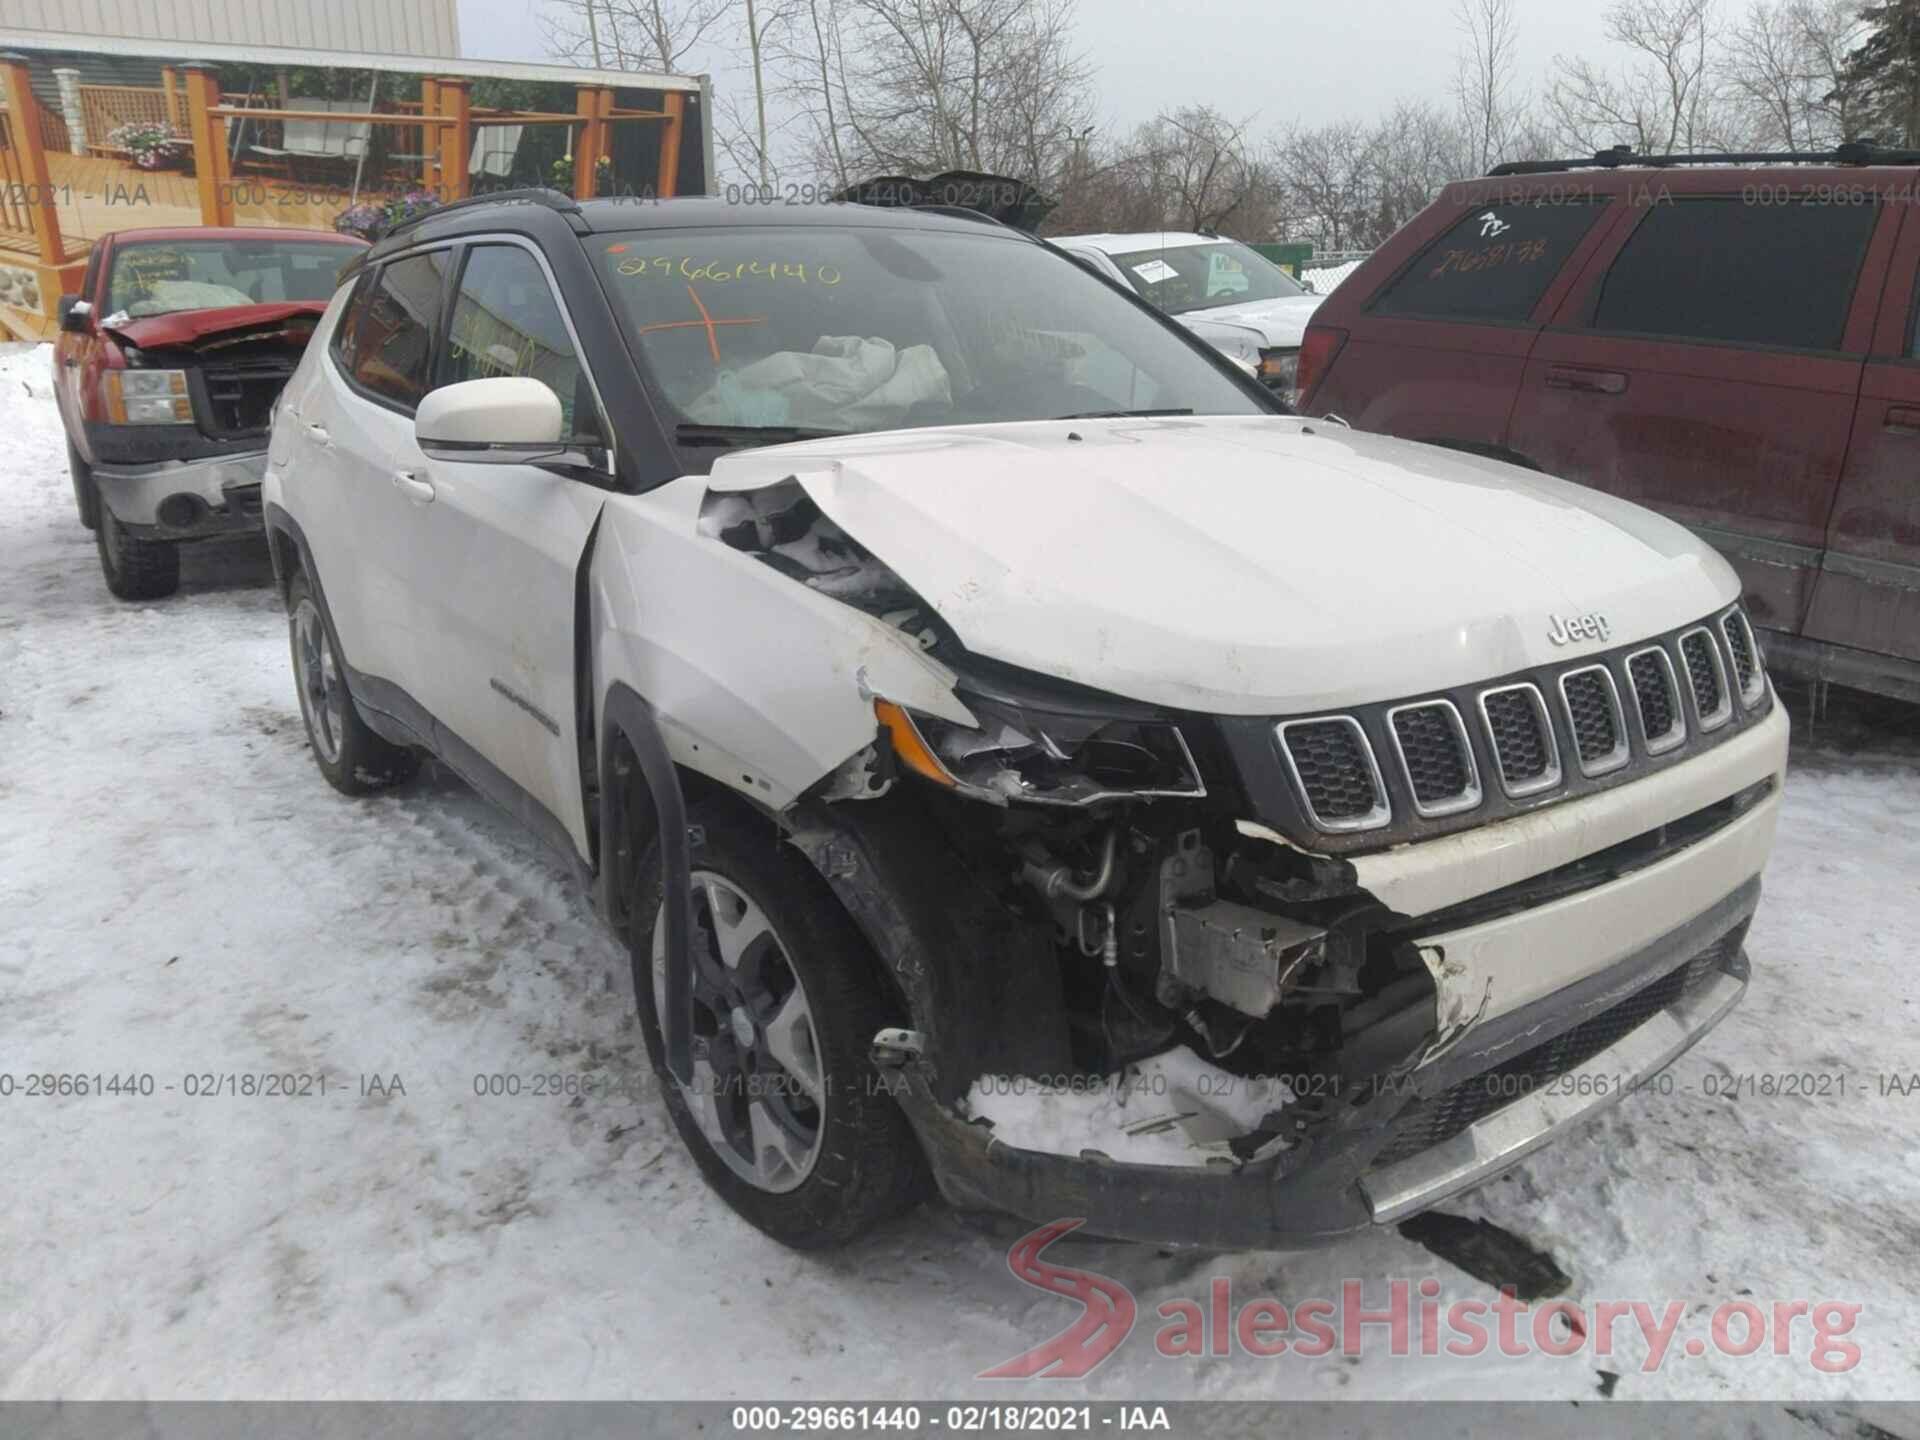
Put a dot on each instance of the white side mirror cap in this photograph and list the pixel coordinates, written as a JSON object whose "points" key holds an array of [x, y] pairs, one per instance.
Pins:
{"points": [[500, 421]]}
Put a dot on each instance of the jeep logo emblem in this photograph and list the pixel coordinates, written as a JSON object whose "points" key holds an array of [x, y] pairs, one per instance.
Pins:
{"points": [[1571, 629]]}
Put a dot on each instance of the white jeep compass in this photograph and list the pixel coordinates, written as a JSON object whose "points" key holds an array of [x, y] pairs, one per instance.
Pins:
{"points": [[1017, 753]]}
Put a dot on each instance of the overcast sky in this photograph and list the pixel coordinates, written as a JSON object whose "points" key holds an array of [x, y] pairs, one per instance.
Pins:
{"points": [[1275, 59]]}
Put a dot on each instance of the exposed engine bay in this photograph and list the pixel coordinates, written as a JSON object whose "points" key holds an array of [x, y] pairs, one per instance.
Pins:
{"points": [[1120, 924]]}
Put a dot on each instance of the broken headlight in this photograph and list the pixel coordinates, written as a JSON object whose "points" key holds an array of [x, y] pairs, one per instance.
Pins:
{"points": [[147, 397], [1017, 752]]}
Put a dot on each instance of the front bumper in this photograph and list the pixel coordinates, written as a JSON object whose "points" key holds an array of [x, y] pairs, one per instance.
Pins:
{"points": [[185, 499], [1458, 1120]]}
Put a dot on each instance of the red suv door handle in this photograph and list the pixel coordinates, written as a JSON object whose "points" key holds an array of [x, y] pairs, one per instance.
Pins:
{"points": [[1903, 420], [1598, 382]]}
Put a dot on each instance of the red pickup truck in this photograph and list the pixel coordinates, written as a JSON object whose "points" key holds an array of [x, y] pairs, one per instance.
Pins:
{"points": [[168, 363], [1728, 339]]}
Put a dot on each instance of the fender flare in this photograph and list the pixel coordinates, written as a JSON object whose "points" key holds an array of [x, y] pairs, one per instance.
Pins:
{"points": [[624, 713]]}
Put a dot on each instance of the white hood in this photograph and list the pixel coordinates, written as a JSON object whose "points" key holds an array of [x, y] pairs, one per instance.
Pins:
{"points": [[1245, 565], [1281, 321]]}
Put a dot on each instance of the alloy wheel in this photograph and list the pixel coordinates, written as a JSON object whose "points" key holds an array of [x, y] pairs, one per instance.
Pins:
{"points": [[758, 1093], [323, 699]]}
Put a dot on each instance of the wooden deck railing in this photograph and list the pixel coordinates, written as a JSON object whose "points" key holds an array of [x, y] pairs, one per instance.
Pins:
{"points": [[27, 217], [105, 108]]}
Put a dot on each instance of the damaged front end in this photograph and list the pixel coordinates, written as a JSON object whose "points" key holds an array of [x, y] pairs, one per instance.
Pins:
{"points": [[181, 440], [1138, 992]]}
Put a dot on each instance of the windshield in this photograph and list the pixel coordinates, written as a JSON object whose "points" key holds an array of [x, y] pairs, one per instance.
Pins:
{"points": [[857, 329], [1178, 278], [159, 277]]}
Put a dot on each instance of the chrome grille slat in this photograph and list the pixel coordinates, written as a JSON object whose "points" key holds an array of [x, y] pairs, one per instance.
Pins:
{"points": [[1656, 699], [1706, 678], [1334, 769], [1520, 734], [1435, 757], [1594, 719], [1747, 675]]}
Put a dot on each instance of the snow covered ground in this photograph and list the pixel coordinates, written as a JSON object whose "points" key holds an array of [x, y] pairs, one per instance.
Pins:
{"points": [[181, 895]]}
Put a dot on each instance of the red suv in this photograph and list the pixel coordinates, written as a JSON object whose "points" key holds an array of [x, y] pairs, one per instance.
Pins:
{"points": [[1728, 339]]}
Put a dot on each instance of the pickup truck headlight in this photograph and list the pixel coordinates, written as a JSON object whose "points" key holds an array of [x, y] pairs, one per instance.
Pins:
{"points": [[1047, 758], [1279, 371], [147, 397]]}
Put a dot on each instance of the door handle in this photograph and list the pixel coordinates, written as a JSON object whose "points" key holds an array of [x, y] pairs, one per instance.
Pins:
{"points": [[318, 434], [1902, 420], [1597, 382], [412, 486]]}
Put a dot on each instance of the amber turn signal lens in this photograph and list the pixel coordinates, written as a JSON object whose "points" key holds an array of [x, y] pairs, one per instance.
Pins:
{"points": [[909, 746]]}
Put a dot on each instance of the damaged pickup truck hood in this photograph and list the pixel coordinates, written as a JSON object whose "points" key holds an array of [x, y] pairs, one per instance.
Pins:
{"points": [[190, 327], [1245, 565]]}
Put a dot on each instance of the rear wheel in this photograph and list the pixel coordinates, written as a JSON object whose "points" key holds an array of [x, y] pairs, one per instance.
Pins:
{"points": [[786, 1116], [136, 569], [355, 760], [86, 498]]}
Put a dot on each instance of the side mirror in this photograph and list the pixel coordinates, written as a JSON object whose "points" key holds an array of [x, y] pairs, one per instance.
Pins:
{"points": [[76, 315], [507, 420]]}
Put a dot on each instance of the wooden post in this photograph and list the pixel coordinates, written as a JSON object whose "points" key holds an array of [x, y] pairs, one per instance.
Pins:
{"points": [[456, 140], [592, 103], [670, 128], [23, 110], [429, 134], [169, 80], [209, 135]]}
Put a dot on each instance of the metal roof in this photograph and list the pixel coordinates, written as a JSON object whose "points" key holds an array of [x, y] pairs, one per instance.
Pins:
{"points": [[183, 51]]}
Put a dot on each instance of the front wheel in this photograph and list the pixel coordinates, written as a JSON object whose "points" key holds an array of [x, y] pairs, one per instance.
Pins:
{"points": [[136, 569], [355, 760], [786, 1115]]}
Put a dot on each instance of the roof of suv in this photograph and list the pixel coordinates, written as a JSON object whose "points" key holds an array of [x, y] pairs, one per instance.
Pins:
{"points": [[527, 210]]}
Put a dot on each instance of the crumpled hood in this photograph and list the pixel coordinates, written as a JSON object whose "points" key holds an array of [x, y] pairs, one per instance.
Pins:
{"points": [[186, 327], [1282, 321], [1245, 565]]}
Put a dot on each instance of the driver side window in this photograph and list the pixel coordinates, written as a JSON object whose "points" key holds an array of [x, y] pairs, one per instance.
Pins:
{"points": [[505, 321]]}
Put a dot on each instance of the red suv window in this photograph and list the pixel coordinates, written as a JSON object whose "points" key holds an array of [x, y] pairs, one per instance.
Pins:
{"points": [[1729, 271], [1493, 264]]}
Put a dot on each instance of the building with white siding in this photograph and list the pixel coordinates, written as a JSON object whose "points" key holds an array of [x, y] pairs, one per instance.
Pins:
{"points": [[376, 27], [118, 114]]}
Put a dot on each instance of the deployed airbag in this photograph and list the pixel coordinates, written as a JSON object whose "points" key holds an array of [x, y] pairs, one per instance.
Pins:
{"points": [[844, 383]]}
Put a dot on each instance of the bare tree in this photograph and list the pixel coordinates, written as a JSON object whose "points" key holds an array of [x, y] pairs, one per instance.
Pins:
{"points": [[650, 35], [1668, 97], [1325, 181], [927, 85], [1483, 81]]}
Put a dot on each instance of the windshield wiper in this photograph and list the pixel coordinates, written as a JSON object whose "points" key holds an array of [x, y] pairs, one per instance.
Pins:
{"points": [[1120, 414], [697, 434]]}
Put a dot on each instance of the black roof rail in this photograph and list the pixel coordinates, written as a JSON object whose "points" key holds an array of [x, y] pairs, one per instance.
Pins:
{"points": [[1853, 152], [555, 200]]}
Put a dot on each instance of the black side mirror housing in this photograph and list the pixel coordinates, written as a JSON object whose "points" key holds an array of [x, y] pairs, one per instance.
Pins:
{"points": [[76, 315]]}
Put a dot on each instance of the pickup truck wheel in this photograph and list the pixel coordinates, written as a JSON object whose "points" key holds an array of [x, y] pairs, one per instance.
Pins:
{"points": [[355, 760], [135, 569], [786, 1116], [86, 499]]}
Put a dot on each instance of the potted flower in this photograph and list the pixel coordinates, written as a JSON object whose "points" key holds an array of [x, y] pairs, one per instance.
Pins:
{"points": [[371, 219], [151, 144]]}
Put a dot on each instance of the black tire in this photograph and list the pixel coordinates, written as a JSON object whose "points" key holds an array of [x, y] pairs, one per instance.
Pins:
{"points": [[136, 569], [86, 498], [355, 760], [867, 1164]]}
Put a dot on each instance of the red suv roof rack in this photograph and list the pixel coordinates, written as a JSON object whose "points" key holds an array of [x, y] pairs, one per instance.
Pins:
{"points": [[1853, 152]]}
